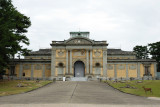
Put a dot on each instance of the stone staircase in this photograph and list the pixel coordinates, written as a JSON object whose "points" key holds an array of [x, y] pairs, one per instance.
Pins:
{"points": [[78, 79]]}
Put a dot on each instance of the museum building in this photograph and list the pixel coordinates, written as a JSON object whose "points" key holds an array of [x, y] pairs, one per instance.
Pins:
{"points": [[79, 56]]}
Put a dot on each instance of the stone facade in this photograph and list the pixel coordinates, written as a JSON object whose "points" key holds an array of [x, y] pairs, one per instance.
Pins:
{"points": [[98, 61]]}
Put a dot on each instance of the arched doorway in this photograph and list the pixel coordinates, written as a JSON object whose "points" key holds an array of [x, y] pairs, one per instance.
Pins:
{"points": [[79, 69]]}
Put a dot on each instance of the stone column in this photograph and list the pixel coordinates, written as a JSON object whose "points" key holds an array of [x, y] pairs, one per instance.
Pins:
{"points": [[32, 70], [115, 71], [67, 62], [20, 71], [127, 71], [155, 70], [91, 62], [53, 58], [87, 64], [43, 71], [70, 61], [104, 63], [138, 71]]}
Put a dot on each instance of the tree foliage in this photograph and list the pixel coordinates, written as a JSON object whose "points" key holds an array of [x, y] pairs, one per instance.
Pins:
{"points": [[154, 50], [13, 25], [141, 52]]}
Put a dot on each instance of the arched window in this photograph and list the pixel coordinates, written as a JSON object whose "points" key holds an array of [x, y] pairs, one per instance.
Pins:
{"points": [[97, 69], [60, 68], [97, 64], [60, 64]]}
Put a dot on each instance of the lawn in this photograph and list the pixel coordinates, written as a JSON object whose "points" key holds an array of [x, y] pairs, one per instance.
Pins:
{"points": [[153, 84], [10, 87]]}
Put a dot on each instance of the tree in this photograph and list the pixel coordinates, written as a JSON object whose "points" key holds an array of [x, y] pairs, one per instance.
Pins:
{"points": [[13, 25], [141, 52], [154, 50]]}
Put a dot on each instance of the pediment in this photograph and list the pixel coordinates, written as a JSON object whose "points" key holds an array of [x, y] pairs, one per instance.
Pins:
{"points": [[79, 41]]}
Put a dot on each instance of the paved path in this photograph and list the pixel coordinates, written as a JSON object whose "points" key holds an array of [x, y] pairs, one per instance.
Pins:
{"points": [[77, 93]]}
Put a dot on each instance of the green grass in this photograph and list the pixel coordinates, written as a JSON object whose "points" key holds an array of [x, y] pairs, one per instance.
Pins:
{"points": [[10, 87], [154, 84]]}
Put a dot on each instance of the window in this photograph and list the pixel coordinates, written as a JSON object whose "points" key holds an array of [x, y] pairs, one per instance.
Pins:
{"points": [[38, 67], [97, 64], [147, 72], [60, 64]]}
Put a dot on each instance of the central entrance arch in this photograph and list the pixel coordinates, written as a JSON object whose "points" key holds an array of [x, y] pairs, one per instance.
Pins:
{"points": [[79, 69]]}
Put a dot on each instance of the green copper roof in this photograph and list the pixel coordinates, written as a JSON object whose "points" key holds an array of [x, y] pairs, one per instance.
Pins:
{"points": [[78, 32], [82, 34]]}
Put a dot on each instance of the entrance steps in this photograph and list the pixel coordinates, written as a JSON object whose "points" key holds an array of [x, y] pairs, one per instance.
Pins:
{"points": [[78, 79]]}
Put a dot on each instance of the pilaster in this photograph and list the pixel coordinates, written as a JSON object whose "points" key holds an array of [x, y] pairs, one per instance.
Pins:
{"points": [[127, 71], [70, 61], [43, 72], [138, 71], [87, 64], [104, 63], [20, 70], [115, 71], [155, 70], [67, 62], [91, 62], [32, 68], [53, 57]]}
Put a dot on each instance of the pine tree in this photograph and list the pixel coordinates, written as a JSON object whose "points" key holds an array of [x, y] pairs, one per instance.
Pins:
{"points": [[13, 26]]}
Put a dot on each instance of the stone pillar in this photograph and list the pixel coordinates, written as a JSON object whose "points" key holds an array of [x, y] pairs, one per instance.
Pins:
{"points": [[104, 63], [70, 61], [67, 62], [115, 71], [127, 71], [155, 70], [53, 57], [91, 62], [20, 71], [32, 70], [87, 64], [43, 71], [138, 71]]}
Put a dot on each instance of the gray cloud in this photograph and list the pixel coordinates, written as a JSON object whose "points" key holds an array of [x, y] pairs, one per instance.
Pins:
{"points": [[123, 23]]}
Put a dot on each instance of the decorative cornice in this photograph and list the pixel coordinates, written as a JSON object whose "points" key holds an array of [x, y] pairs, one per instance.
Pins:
{"points": [[80, 41], [32, 60], [131, 60]]}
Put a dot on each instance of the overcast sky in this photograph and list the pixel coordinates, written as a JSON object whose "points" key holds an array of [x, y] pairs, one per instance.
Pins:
{"points": [[122, 23]]}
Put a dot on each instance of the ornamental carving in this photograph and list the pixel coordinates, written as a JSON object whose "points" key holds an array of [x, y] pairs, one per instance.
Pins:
{"points": [[97, 53], [79, 53], [60, 53], [79, 41]]}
